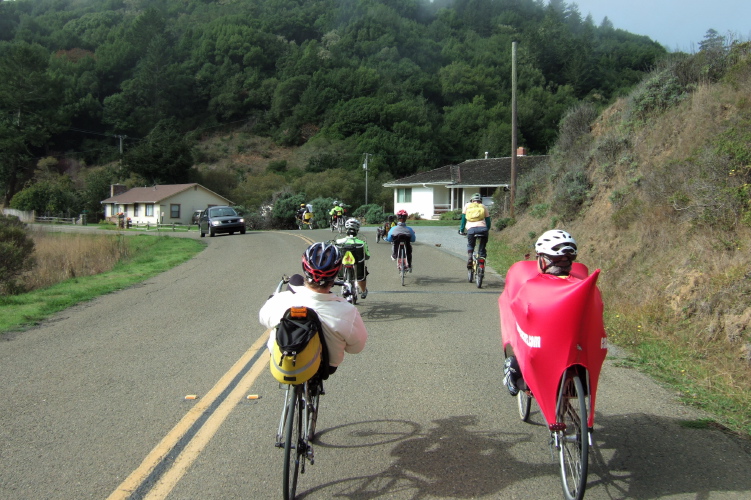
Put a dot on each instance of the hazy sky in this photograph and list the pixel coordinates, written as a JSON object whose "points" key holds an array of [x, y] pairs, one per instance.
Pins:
{"points": [[676, 24]]}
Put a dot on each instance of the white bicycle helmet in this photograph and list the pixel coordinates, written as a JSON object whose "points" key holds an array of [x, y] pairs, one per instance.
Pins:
{"points": [[556, 243], [352, 223]]}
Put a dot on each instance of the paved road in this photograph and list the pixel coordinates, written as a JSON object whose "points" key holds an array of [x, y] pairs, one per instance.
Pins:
{"points": [[93, 399]]}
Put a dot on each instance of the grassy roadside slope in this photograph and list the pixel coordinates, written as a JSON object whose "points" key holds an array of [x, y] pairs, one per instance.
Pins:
{"points": [[660, 202], [146, 257]]}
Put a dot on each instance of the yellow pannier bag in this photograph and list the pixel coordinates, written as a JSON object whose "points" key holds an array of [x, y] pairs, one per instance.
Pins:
{"points": [[298, 350]]}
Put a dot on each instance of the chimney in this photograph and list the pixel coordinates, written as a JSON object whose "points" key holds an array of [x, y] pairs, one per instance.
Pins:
{"points": [[486, 155], [117, 189], [520, 151]]}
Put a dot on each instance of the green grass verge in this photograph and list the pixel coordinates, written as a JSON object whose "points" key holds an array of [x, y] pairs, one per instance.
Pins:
{"points": [[695, 383], [148, 256]]}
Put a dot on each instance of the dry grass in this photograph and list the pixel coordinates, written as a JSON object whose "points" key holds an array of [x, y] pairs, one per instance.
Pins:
{"points": [[62, 256]]}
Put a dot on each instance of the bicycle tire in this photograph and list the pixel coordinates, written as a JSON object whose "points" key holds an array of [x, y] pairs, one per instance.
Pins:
{"points": [[402, 262], [479, 274], [470, 274], [312, 417], [350, 278], [293, 453], [573, 442], [524, 402]]}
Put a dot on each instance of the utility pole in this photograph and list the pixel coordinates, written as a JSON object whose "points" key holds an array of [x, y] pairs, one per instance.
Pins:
{"points": [[365, 167], [513, 130], [121, 137]]}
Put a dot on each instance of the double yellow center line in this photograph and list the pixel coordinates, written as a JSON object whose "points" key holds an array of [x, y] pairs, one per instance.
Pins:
{"points": [[170, 459], [166, 464]]}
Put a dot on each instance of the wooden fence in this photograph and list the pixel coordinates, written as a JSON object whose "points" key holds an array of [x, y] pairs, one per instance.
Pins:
{"points": [[56, 220], [174, 227]]}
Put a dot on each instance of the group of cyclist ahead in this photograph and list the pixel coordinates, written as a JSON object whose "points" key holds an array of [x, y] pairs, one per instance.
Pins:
{"points": [[337, 216], [552, 334]]}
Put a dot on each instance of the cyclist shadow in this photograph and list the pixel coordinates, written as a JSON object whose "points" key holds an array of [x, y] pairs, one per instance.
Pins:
{"points": [[399, 311], [450, 460], [645, 456]]}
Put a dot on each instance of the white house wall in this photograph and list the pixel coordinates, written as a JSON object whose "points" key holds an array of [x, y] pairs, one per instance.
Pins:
{"points": [[422, 202], [189, 201]]}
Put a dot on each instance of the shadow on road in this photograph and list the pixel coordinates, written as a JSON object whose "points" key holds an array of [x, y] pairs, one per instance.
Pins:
{"points": [[449, 460], [634, 456], [646, 456], [398, 311]]}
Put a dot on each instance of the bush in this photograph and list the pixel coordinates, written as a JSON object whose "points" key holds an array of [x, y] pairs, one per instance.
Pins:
{"points": [[452, 214], [364, 209], [661, 91], [575, 125], [285, 208], [570, 193], [372, 213], [321, 209], [503, 223], [16, 253], [375, 215]]}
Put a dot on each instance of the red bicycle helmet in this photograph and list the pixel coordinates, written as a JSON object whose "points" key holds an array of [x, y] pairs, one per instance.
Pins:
{"points": [[321, 263], [401, 214]]}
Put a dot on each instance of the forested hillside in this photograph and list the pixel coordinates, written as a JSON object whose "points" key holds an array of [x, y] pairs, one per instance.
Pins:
{"points": [[418, 84]]}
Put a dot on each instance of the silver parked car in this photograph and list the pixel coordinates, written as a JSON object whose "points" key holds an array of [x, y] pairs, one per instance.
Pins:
{"points": [[222, 219]]}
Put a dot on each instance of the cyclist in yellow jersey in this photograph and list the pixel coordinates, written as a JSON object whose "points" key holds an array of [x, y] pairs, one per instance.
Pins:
{"points": [[336, 212]]}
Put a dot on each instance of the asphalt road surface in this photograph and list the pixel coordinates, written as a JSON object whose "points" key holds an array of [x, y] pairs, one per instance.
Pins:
{"points": [[92, 401]]}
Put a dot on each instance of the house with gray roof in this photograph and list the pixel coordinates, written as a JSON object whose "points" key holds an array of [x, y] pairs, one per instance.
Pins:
{"points": [[449, 187], [160, 204]]}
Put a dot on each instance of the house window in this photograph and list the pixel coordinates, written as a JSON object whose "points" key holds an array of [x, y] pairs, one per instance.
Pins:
{"points": [[174, 211], [404, 195], [487, 192], [135, 210], [149, 210]]}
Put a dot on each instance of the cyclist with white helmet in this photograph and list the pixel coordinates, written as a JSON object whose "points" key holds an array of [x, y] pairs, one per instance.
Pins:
{"points": [[360, 252], [476, 222], [556, 251], [343, 328]]}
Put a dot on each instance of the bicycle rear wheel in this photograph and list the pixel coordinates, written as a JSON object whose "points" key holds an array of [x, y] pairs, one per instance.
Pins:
{"points": [[293, 449], [349, 277], [573, 442], [479, 273], [524, 400], [402, 262]]}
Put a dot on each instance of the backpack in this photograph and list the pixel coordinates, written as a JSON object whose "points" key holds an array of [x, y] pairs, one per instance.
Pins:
{"points": [[475, 212], [300, 349]]}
